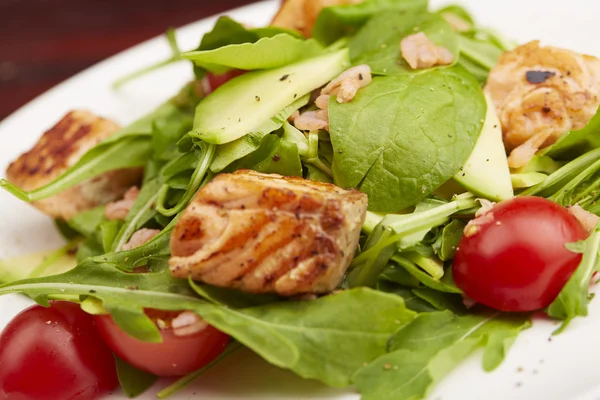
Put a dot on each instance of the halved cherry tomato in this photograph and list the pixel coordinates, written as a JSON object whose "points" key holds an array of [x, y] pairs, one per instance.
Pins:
{"points": [[215, 81], [177, 355], [513, 258], [54, 353]]}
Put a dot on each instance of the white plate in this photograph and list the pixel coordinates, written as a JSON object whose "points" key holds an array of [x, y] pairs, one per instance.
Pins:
{"points": [[536, 368]]}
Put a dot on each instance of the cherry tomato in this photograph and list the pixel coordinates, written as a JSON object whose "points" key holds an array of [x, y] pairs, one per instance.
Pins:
{"points": [[177, 355], [54, 353], [214, 81], [513, 258]]}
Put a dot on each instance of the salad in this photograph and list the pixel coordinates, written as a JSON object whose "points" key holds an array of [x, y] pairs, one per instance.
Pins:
{"points": [[364, 193]]}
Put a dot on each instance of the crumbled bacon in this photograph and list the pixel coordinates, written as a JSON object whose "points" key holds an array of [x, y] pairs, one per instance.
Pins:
{"points": [[345, 86], [420, 52], [313, 121], [119, 209], [587, 219], [140, 237]]}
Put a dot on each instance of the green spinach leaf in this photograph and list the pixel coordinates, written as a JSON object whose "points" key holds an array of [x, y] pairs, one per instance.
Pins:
{"points": [[378, 42], [403, 136], [336, 22]]}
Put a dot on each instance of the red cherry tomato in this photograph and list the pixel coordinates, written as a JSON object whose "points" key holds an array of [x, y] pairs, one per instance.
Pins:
{"points": [[214, 81], [54, 353], [513, 258], [175, 356]]}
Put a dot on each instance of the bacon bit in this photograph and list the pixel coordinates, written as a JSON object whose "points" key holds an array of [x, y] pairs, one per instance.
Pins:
{"points": [[420, 52], [140, 237], [587, 219], [486, 206], [118, 210], [347, 84], [323, 101], [313, 121], [187, 323], [294, 116], [468, 302], [595, 278], [483, 216]]}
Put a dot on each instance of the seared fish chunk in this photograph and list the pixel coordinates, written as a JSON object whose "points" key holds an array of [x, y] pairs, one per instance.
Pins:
{"points": [[541, 93], [60, 148], [268, 234]]}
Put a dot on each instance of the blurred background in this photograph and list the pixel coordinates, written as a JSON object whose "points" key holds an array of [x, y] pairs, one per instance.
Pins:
{"points": [[43, 42]]}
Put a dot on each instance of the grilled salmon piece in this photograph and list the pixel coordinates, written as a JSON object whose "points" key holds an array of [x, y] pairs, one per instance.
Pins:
{"points": [[268, 234], [60, 148], [540, 93]]}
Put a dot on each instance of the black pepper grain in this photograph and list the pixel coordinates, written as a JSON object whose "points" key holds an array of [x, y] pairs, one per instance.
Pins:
{"points": [[283, 78], [538, 76], [546, 110], [257, 98], [276, 157]]}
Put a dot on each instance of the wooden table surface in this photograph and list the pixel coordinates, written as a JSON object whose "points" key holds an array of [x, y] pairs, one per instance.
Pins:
{"points": [[44, 42]]}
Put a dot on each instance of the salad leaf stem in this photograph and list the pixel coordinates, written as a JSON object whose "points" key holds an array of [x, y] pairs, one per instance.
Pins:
{"points": [[418, 221], [563, 174], [191, 377], [170, 35], [139, 214], [197, 177]]}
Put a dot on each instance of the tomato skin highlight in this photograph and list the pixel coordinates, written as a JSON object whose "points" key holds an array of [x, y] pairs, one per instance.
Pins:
{"points": [[55, 353], [175, 356], [514, 257]]}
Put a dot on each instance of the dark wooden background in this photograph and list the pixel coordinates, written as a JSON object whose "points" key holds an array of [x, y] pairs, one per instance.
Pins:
{"points": [[43, 42]]}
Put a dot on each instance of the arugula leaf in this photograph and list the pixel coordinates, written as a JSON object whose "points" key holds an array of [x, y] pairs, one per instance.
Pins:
{"points": [[427, 125], [133, 381], [195, 182], [316, 345], [378, 42], [425, 350], [128, 148], [447, 243], [576, 143], [129, 152], [268, 52], [336, 22], [565, 174], [140, 214], [389, 235], [572, 301], [442, 285]]}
